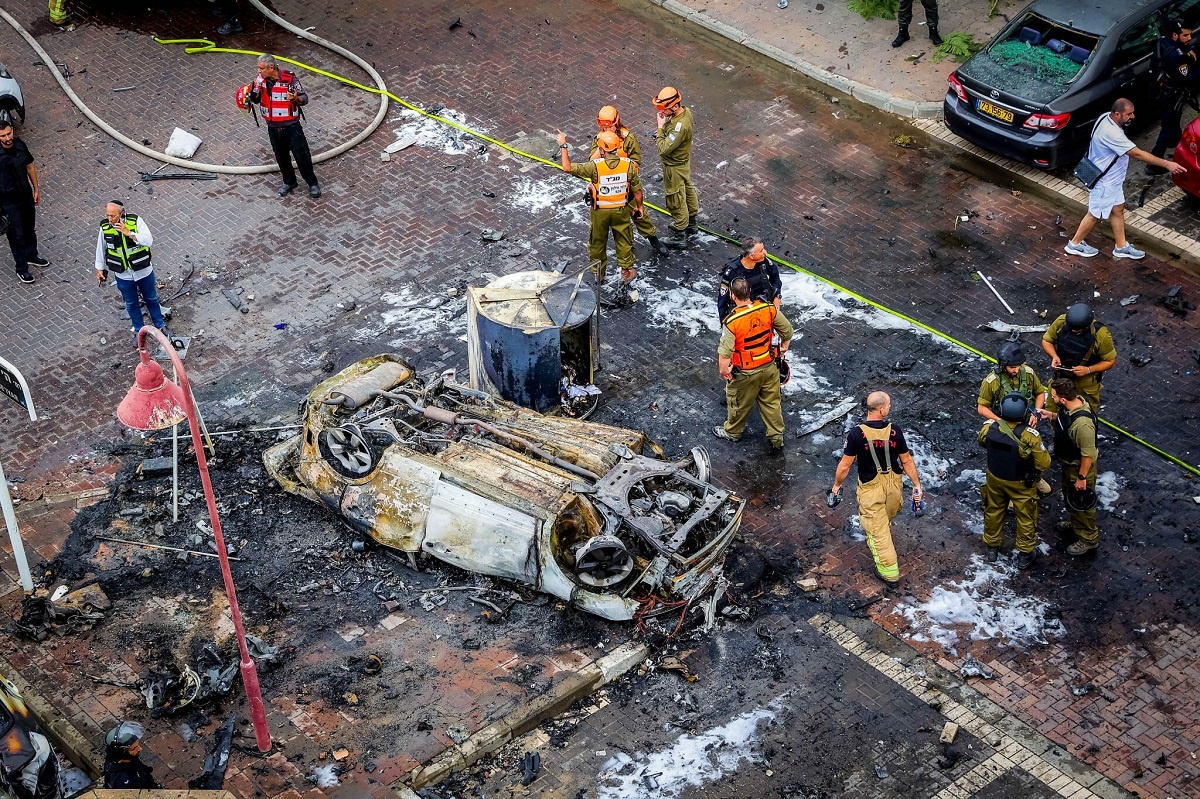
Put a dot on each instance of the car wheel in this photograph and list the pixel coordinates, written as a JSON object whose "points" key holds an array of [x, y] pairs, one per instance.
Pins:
{"points": [[347, 450], [603, 562]]}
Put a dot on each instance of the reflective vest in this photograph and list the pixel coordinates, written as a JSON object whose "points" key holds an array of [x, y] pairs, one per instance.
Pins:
{"points": [[276, 107], [752, 328], [120, 253], [1075, 349], [1008, 457], [612, 183], [1065, 448]]}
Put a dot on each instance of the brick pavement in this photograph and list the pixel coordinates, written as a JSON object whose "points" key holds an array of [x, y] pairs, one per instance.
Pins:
{"points": [[819, 180]]}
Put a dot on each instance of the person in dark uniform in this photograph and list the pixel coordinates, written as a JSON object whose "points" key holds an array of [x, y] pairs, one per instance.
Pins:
{"points": [[122, 766], [759, 271], [19, 196], [904, 17], [1016, 458], [1177, 79]]}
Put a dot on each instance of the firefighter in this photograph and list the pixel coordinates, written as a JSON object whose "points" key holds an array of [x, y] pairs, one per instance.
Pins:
{"points": [[1016, 457], [615, 193], [1012, 374], [281, 97], [1080, 348], [746, 360], [609, 119], [674, 140]]}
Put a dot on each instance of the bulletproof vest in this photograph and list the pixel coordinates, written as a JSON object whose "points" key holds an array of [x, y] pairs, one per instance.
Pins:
{"points": [[1007, 385], [1065, 448], [1004, 454], [1073, 347]]}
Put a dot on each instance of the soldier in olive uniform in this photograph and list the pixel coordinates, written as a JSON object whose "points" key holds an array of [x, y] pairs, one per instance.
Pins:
{"points": [[1012, 374], [674, 140], [614, 181], [1075, 448], [1016, 458], [608, 119], [1082, 348]]}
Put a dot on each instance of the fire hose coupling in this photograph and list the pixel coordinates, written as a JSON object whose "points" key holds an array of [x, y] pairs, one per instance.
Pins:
{"points": [[833, 498]]}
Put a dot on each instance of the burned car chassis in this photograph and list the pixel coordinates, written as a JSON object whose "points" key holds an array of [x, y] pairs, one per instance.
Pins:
{"points": [[571, 508]]}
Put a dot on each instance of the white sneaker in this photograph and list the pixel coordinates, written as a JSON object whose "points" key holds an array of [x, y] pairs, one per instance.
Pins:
{"points": [[1082, 249], [1129, 251]]}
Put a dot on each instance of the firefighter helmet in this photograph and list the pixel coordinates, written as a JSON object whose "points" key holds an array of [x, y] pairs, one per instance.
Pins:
{"points": [[242, 97], [608, 118], [608, 141], [666, 98]]}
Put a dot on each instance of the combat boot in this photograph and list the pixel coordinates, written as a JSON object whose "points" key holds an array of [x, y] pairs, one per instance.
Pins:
{"points": [[901, 37], [1024, 560], [993, 554], [659, 247], [934, 37], [677, 240], [692, 227]]}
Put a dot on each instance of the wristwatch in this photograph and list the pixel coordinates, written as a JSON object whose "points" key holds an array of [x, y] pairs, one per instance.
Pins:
{"points": [[562, 147]]}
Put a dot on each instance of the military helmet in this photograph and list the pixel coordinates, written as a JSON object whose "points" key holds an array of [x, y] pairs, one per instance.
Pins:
{"points": [[608, 141], [1079, 316], [1014, 407], [667, 97], [785, 369], [1079, 501], [608, 116], [124, 736], [1011, 354]]}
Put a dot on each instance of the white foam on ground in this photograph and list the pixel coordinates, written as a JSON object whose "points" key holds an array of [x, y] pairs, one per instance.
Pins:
{"points": [[1108, 486], [806, 380], [972, 477], [440, 136], [932, 468], [538, 195], [981, 607], [413, 315], [679, 306], [692, 761], [326, 776]]}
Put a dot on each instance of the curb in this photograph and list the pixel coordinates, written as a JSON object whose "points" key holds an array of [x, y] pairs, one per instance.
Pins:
{"points": [[902, 106], [577, 686], [54, 724]]}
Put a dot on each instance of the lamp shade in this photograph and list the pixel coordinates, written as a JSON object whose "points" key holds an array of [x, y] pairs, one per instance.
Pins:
{"points": [[154, 403]]}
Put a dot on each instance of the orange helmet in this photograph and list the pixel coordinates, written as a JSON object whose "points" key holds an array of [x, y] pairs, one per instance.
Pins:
{"points": [[668, 97], [608, 141], [608, 118], [242, 97]]}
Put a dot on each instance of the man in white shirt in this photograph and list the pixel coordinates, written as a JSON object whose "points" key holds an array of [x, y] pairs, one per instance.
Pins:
{"points": [[123, 248], [1110, 149]]}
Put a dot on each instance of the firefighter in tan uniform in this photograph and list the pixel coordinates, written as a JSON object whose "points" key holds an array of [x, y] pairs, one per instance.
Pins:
{"points": [[1016, 458], [1080, 348], [674, 140], [882, 453], [746, 360], [609, 120], [616, 195]]}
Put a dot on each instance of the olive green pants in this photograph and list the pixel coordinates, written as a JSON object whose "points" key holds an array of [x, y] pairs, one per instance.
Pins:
{"points": [[878, 503], [615, 220], [997, 494], [755, 386], [1083, 523], [680, 196], [645, 225]]}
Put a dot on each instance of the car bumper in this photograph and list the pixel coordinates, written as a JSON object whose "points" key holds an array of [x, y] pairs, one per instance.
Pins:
{"points": [[1045, 149], [1189, 181]]}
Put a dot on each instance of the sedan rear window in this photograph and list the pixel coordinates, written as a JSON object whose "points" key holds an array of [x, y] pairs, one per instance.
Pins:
{"points": [[1036, 61]]}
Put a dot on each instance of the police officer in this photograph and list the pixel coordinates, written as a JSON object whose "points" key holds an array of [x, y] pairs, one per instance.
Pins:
{"points": [[674, 140], [759, 271], [281, 97], [1016, 457], [1082, 348], [1075, 449], [122, 766], [1012, 374], [616, 194], [1177, 76], [746, 361], [609, 119]]}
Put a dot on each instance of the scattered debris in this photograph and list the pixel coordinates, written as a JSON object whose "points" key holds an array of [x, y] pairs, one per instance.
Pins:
{"points": [[973, 668], [182, 144], [212, 777], [341, 753], [458, 733], [948, 733], [988, 283], [1131, 299], [808, 584], [487, 234], [75, 611], [457, 23], [671, 663], [843, 408], [1006, 327], [350, 698], [154, 467], [903, 365], [148, 176], [881, 772], [406, 140], [162, 547], [904, 140], [1140, 360], [949, 757], [1081, 690], [1175, 302], [533, 765]]}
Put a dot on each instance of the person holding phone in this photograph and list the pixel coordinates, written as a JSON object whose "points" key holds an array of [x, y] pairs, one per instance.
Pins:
{"points": [[123, 248]]}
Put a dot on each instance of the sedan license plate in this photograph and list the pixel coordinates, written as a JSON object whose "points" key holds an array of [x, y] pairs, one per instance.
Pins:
{"points": [[994, 111]]}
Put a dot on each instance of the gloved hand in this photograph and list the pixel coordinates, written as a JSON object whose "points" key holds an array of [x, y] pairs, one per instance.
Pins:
{"points": [[833, 498]]}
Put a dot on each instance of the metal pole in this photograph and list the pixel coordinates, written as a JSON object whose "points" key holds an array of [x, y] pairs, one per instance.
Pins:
{"points": [[988, 283], [258, 713], [14, 534], [175, 472]]}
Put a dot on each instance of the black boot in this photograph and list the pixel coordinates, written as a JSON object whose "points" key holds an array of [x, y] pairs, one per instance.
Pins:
{"points": [[659, 247], [901, 37], [993, 554], [692, 228], [677, 240], [934, 37], [1024, 560]]}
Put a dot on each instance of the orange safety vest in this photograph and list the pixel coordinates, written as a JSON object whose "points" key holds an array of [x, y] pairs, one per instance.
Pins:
{"points": [[276, 106], [752, 328], [612, 183]]}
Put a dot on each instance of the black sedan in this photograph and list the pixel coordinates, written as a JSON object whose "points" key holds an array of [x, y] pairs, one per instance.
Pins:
{"points": [[1035, 91]]}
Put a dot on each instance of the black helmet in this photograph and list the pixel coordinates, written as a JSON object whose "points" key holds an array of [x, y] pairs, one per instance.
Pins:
{"points": [[785, 370], [1011, 354], [1014, 407], [1079, 501], [1079, 316], [123, 736]]}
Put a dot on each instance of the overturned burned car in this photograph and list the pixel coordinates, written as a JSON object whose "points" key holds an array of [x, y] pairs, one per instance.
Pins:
{"points": [[575, 509]]}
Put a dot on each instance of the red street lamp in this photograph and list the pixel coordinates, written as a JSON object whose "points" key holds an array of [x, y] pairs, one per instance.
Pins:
{"points": [[155, 403]]}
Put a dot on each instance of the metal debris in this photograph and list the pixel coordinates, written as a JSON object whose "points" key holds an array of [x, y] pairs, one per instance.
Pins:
{"points": [[212, 778], [973, 668], [1131, 299], [75, 611], [671, 663], [841, 410], [1004, 327]]}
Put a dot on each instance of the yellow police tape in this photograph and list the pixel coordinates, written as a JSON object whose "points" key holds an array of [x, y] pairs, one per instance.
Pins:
{"points": [[206, 46]]}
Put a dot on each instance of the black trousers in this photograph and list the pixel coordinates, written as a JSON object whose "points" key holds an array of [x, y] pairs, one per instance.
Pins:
{"points": [[904, 13], [289, 141], [22, 239], [1172, 130]]}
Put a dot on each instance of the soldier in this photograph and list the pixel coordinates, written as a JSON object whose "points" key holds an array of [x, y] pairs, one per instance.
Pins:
{"points": [[1075, 448], [1082, 348], [1016, 458], [760, 272], [746, 360], [609, 119], [1012, 374], [614, 180], [674, 140]]}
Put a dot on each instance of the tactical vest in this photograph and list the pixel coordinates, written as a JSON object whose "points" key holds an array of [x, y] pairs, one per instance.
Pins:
{"points": [[1065, 448], [120, 254], [612, 183], [1007, 387], [276, 107], [1008, 457], [1075, 349], [752, 328]]}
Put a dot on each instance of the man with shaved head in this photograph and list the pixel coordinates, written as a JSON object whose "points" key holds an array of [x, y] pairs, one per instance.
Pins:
{"points": [[881, 452]]}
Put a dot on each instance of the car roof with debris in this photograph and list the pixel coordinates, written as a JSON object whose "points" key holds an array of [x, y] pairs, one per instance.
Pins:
{"points": [[1097, 16]]}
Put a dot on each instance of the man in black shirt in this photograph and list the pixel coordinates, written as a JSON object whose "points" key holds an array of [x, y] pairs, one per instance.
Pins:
{"points": [[759, 271], [882, 453], [18, 196]]}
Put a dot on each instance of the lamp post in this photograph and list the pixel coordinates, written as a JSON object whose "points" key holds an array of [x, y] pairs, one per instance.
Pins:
{"points": [[155, 403]]}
